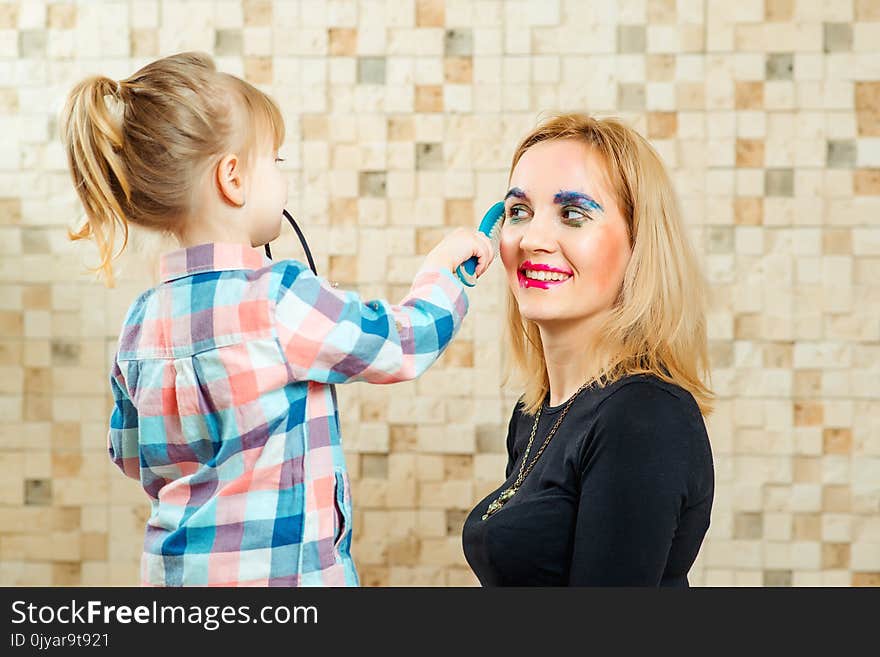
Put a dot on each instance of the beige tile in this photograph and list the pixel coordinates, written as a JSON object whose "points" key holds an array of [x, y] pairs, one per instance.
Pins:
{"points": [[258, 70], [430, 13], [8, 16], [403, 438], [836, 499], [429, 98], [661, 11], [144, 42], [867, 105], [257, 13], [749, 153], [343, 41], [808, 414], [662, 125], [867, 10], [779, 10], [60, 16], [66, 573], [837, 441], [866, 579], [401, 129], [660, 68], [749, 211], [457, 70], [313, 127], [65, 519], [749, 95], [10, 208], [866, 182], [835, 556], [374, 576], [807, 527], [459, 212]]}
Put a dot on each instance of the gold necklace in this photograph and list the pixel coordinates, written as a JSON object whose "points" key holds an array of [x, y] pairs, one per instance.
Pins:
{"points": [[507, 493]]}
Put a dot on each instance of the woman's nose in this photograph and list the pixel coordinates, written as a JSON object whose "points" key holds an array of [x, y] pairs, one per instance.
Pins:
{"points": [[538, 235]]}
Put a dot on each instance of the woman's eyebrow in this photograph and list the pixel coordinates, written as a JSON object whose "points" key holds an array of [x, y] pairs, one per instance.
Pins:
{"points": [[517, 192], [566, 196]]}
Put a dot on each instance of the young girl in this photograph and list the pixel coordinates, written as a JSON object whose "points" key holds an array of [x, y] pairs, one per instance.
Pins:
{"points": [[222, 405]]}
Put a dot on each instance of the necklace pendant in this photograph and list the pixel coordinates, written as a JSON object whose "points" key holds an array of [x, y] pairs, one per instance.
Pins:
{"points": [[498, 503]]}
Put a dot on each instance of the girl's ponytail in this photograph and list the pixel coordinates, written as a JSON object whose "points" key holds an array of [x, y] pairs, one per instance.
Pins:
{"points": [[92, 134], [138, 148]]}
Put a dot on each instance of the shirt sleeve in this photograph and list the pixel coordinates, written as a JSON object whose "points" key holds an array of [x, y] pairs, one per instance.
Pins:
{"points": [[332, 336], [122, 438], [634, 485]]}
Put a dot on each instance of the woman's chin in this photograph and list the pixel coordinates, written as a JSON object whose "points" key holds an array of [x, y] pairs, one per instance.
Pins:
{"points": [[539, 315], [549, 314]]}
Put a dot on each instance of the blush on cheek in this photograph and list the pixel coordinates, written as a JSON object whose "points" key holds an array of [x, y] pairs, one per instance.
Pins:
{"points": [[610, 252], [508, 250]]}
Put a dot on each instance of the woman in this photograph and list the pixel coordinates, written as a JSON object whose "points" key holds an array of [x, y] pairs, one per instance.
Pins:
{"points": [[610, 477]]}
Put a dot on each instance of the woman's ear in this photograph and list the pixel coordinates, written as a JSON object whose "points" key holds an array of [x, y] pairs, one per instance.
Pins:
{"points": [[230, 180]]}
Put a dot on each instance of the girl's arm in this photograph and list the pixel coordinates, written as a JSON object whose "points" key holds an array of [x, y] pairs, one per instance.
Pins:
{"points": [[333, 337], [122, 438]]}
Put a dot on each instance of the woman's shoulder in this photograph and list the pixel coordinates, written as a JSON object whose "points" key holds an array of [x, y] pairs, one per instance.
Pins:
{"points": [[645, 424], [647, 390], [644, 404]]}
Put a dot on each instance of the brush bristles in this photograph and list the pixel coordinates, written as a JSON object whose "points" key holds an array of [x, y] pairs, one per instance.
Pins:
{"points": [[495, 235]]}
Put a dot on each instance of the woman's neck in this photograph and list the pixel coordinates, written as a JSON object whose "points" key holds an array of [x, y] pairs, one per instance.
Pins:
{"points": [[566, 355]]}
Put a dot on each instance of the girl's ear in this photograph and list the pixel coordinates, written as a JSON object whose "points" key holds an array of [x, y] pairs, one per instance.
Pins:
{"points": [[230, 180]]}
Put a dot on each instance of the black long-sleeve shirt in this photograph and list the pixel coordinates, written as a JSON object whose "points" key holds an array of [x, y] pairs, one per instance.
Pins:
{"points": [[620, 497]]}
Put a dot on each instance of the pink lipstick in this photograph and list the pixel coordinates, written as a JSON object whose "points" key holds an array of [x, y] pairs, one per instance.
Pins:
{"points": [[545, 282]]}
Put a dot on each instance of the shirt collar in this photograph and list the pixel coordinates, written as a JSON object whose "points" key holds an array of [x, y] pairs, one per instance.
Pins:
{"points": [[214, 256]]}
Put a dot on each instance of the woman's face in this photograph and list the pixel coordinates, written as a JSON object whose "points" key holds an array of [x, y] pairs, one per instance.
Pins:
{"points": [[564, 243]]}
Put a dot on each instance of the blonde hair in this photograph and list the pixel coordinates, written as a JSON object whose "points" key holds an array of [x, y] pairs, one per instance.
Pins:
{"points": [[658, 323], [138, 158]]}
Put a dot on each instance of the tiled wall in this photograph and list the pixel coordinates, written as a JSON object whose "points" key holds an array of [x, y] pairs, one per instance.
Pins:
{"points": [[402, 117]]}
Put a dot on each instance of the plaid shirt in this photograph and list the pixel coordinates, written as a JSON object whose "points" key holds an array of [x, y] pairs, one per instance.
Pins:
{"points": [[224, 413]]}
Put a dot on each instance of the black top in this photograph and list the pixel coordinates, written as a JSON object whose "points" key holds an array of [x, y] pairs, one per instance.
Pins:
{"points": [[620, 497]]}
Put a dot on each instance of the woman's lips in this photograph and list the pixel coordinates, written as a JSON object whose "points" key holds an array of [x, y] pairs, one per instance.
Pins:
{"points": [[542, 276], [528, 264]]}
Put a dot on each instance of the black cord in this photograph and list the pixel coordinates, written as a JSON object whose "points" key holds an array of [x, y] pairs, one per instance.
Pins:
{"points": [[302, 240]]}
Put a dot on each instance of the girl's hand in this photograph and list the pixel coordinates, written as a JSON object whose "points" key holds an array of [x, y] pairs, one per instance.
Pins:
{"points": [[458, 246]]}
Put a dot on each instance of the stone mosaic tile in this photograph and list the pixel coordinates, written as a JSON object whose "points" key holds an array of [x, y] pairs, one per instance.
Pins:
{"points": [[401, 124], [838, 37]]}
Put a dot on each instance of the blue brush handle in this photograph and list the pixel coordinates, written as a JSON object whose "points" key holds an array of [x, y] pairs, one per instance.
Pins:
{"points": [[490, 220]]}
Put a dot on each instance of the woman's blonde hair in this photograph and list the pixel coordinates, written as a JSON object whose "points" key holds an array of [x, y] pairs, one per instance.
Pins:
{"points": [[658, 323], [138, 158]]}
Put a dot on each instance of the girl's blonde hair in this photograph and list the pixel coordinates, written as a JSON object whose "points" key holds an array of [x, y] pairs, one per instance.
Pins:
{"points": [[139, 157], [658, 323]]}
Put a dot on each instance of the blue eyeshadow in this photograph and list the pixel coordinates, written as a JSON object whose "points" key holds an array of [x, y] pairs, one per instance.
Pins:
{"points": [[564, 197]]}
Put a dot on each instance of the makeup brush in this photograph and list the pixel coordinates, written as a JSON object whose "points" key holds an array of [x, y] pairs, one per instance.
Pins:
{"points": [[490, 226]]}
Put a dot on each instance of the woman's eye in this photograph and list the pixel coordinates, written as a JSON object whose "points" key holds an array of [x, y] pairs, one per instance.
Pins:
{"points": [[279, 159], [517, 213], [573, 215]]}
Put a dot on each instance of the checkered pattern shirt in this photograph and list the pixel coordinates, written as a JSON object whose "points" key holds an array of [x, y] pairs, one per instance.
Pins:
{"points": [[223, 410]]}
